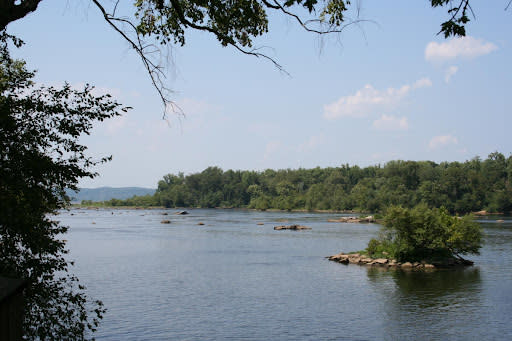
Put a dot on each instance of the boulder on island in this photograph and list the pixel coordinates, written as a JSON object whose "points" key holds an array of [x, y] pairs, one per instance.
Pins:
{"points": [[292, 227]]}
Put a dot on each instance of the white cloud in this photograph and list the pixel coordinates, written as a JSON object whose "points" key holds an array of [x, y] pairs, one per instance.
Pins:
{"points": [[422, 83], [191, 107], [389, 122], [312, 143], [441, 141], [450, 72], [113, 126], [465, 47], [369, 99]]}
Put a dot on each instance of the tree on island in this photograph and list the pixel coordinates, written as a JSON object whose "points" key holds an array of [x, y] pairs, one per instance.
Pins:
{"points": [[426, 234]]}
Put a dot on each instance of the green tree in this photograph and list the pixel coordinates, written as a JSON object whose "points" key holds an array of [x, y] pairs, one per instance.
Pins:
{"points": [[40, 157], [431, 234]]}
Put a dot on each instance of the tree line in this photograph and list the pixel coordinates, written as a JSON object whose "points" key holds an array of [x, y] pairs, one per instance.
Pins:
{"points": [[460, 187]]}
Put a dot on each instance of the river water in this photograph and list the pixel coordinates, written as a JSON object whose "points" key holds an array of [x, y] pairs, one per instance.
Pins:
{"points": [[232, 279]]}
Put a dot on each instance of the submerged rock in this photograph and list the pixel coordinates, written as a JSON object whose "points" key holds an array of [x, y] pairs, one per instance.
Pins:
{"points": [[292, 227], [181, 213], [165, 222]]}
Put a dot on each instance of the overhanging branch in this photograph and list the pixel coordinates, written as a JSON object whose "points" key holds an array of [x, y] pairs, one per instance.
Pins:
{"points": [[10, 11], [155, 71]]}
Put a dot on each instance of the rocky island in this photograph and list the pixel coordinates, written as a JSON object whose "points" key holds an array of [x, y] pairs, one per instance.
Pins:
{"points": [[364, 259], [419, 238]]}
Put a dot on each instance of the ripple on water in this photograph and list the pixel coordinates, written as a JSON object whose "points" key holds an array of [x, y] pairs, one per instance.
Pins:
{"points": [[235, 280]]}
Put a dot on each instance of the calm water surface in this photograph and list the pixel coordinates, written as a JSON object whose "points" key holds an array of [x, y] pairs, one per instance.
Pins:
{"points": [[232, 279]]}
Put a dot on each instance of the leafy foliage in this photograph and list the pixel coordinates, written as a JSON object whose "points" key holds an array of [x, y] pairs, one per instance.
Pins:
{"points": [[40, 156], [455, 26], [422, 233], [237, 23]]}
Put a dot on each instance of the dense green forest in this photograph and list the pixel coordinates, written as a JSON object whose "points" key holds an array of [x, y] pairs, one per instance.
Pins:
{"points": [[460, 187]]}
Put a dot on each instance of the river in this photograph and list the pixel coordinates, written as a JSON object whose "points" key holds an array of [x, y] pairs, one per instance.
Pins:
{"points": [[232, 279]]}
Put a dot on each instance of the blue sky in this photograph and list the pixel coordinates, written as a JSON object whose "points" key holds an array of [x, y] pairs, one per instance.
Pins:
{"points": [[388, 89]]}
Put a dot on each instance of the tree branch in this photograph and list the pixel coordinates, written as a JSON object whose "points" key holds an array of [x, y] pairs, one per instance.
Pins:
{"points": [[155, 71], [10, 12]]}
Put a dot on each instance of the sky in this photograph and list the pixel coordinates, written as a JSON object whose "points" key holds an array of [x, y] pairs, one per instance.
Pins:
{"points": [[389, 88]]}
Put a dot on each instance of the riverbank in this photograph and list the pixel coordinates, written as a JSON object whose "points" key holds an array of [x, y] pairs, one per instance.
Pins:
{"points": [[359, 214]]}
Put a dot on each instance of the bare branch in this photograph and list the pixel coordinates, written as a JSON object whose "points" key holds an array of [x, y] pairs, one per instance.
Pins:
{"points": [[155, 71]]}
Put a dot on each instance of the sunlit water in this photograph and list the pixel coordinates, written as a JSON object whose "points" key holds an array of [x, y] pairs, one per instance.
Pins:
{"points": [[232, 279]]}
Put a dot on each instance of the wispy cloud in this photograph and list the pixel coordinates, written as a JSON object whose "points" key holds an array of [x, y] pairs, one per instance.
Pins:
{"points": [[449, 73], [312, 143], [114, 125], [271, 148], [441, 141], [422, 83], [464, 47], [368, 100], [389, 122]]}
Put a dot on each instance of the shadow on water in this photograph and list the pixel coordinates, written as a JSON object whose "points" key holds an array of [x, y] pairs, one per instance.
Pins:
{"points": [[419, 283], [442, 301]]}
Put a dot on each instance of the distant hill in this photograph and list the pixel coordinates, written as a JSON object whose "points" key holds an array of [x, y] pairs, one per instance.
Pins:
{"points": [[107, 193]]}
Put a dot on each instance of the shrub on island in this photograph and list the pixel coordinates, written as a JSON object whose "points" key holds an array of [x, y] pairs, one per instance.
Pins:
{"points": [[424, 235]]}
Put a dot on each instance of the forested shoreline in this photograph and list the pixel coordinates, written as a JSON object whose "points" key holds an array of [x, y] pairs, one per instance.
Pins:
{"points": [[460, 187]]}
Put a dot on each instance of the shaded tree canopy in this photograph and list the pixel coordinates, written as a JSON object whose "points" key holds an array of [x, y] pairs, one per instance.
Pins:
{"points": [[40, 157], [237, 22], [232, 23]]}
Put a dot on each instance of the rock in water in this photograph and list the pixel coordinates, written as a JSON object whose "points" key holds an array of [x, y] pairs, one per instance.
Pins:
{"points": [[292, 227]]}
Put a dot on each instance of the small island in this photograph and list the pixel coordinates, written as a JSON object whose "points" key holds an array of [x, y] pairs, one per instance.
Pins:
{"points": [[419, 238]]}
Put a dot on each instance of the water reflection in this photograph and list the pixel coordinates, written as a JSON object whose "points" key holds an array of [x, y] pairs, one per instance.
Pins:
{"points": [[443, 302], [420, 283]]}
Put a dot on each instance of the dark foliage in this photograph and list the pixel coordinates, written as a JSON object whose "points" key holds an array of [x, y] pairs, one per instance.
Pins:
{"points": [[40, 157]]}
